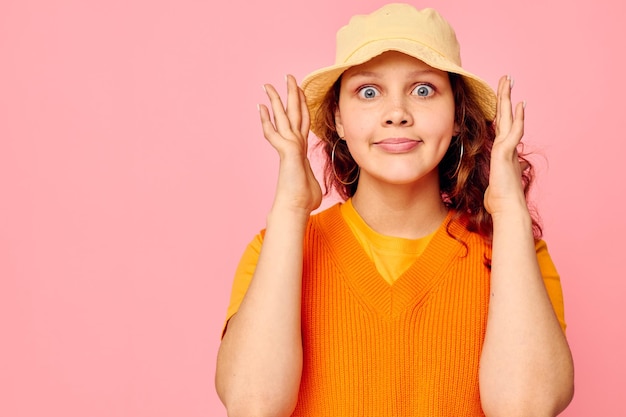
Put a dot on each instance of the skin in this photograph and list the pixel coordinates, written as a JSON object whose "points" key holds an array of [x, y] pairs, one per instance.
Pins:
{"points": [[526, 366], [398, 192], [258, 374]]}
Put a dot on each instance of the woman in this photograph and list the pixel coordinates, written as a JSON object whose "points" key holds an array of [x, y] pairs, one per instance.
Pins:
{"points": [[428, 292]]}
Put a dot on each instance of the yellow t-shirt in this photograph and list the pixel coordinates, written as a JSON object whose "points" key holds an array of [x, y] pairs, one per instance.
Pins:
{"points": [[391, 255]]}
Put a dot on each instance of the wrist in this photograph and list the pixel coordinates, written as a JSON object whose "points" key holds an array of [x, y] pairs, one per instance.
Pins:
{"points": [[512, 218], [285, 213]]}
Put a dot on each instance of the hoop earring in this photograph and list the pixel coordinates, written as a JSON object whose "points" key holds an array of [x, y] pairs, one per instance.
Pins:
{"points": [[458, 167], [332, 163]]}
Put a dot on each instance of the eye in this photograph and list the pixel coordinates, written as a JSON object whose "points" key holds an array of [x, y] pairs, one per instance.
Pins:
{"points": [[423, 90], [368, 92]]}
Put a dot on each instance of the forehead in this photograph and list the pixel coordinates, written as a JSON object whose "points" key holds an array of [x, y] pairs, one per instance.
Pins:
{"points": [[392, 61]]}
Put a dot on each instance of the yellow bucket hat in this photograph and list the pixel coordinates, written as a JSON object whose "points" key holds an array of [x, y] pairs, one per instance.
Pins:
{"points": [[422, 34]]}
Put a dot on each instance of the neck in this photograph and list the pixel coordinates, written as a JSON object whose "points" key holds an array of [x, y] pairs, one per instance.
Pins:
{"points": [[402, 210]]}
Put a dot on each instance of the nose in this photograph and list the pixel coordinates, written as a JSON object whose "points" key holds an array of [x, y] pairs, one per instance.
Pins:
{"points": [[397, 113]]}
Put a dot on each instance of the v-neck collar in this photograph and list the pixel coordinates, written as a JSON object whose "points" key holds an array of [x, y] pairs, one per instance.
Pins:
{"points": [[412, 287]]}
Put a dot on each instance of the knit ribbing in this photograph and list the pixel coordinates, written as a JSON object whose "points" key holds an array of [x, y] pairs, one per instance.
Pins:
{"points": [[407, 349]]}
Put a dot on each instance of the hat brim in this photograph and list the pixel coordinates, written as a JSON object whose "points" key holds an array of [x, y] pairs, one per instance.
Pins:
{"points": [[317, 84]]}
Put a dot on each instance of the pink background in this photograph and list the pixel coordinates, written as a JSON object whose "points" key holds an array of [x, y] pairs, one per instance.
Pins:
{"points": [[133, 172]]}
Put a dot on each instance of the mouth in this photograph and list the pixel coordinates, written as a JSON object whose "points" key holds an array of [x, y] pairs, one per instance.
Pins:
{"points": [[397, 145]]}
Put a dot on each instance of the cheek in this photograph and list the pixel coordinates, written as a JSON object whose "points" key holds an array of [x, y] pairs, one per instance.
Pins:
{"points": [[438, 123], [356, 123]]}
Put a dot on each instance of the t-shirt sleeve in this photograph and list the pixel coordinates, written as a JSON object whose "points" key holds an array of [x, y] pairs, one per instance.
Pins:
{"points": [[250, 257], [552, 281], [243, 276]]}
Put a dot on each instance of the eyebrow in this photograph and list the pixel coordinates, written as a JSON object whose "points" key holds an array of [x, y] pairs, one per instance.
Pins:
{"points": [[373, 74]]}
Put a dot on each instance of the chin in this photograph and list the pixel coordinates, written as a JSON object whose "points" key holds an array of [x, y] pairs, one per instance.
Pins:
{"points": [[404, 179]]}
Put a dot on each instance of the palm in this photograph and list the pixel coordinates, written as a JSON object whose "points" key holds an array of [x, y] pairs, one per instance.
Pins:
{"points": [[288, 132], [505, 189]]}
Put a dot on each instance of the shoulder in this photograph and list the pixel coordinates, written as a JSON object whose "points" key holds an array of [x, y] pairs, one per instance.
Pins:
{"points": [[327, 213], [329, 218], [458, 227], [321, 220]]}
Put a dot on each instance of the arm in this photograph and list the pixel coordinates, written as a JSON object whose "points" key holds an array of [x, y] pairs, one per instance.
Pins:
{"points": [[259, 362], [526, 365]]}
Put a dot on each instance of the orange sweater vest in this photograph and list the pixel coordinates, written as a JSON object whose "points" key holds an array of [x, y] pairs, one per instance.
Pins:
{"points": [[375, 350]]}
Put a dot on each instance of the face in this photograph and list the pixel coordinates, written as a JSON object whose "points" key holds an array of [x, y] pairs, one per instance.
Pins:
{"points": [[396, 114]]}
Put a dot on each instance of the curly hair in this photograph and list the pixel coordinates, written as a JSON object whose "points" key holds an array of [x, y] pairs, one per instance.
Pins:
{"points": [[462, 182]]}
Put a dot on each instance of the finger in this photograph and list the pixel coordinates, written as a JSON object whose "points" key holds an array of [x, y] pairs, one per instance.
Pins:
{"points": [[517, 128], [266, 122], [269, 130], [278, 109], [498, 110], [306, 118], [294, 110], [505, 115], [507, 142]]}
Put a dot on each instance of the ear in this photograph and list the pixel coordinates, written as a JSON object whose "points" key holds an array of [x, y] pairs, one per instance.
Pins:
{"points": [[338, 125]]}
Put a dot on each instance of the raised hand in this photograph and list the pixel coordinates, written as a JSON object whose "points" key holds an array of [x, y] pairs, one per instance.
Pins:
{"points": [[505, 193], [525, 362], [297, 187]]}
